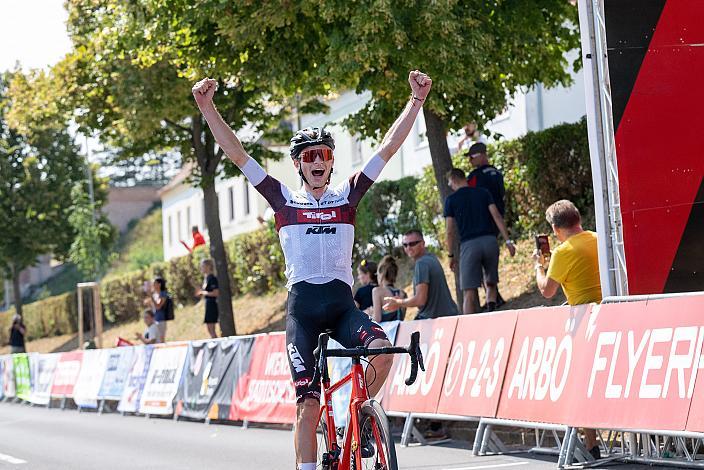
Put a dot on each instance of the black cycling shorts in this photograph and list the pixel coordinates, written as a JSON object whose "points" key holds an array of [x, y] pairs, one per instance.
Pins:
{"points": [[313, 309]]}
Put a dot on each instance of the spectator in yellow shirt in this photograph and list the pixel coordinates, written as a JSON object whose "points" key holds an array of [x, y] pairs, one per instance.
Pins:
{"points": [[574, 265]]}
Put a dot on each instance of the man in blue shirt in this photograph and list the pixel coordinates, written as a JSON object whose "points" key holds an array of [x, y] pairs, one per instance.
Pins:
{"points": [[472, 214]]}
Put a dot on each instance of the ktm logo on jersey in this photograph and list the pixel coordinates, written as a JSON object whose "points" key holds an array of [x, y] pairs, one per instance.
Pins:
{"points": [[323, 216], [321, 229]]}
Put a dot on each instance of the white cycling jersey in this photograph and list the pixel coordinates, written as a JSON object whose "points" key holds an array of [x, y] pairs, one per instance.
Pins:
{"points": [[316, 235]]}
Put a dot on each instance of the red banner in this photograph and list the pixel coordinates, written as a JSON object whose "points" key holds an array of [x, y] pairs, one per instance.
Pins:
{"points": [[639, 363], [540, 377], [67, 369], [266, 393], [435, 339], [477, 364]]}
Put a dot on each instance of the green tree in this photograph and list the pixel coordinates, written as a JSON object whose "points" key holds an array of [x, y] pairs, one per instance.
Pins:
{"points": [[90, 250], [36, 176]]}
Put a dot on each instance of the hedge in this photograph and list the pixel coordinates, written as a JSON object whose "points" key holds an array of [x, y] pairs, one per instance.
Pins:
{"points": [[53, 316]]}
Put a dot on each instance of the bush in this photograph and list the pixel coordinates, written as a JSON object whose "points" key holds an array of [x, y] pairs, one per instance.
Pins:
{"points": [[53, 316], [387, 211], [539, 169]]}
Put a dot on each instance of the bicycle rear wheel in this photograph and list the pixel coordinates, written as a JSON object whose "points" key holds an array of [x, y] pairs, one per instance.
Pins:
{"points": [[374, 424]]}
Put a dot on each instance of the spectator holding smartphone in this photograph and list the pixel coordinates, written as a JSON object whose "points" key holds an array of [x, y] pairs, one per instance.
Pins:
{"points": [[158, 302], [574, 265], [209, 292], [17, 333]]}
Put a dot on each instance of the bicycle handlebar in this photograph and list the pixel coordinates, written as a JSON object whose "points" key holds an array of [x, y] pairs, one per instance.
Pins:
{"points": [[412, 350]]}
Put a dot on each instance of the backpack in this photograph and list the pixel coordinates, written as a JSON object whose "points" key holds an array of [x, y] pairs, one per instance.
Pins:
{"points": [[169, 307]]}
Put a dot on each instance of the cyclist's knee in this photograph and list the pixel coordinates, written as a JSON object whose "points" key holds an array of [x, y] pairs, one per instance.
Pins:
{"points": [[384, 361], [308, 408], [380, 343]]}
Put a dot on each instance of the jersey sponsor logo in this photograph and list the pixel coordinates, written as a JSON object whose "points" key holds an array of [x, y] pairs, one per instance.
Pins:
{"points": [[319, 215], [296, 359], [334, 201], [321, 230], [300, 203], [304, 382]]}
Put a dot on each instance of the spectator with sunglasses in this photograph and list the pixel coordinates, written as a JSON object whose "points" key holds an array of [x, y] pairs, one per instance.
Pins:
{"points": [[316, 230], [430, 291]]}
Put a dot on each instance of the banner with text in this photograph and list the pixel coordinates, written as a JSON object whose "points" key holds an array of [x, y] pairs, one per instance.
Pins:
{"points": [[67, 369], [435, 341], [206, 366], [266, 394], [85, 392], [23, 377], [118, 366], [132, 391], [43, 368], [477, 364], [221, 401], [163, 379], [540, 381], [639, 356]]}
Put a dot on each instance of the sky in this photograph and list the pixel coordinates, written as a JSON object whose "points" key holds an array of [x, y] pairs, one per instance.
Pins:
{"points": [[32, 32]]}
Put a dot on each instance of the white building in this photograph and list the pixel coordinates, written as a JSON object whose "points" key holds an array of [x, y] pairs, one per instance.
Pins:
{"points": [[242, 208]]}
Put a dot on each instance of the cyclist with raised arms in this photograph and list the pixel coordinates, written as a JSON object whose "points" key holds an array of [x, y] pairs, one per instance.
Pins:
{"points": [[316, 230]]}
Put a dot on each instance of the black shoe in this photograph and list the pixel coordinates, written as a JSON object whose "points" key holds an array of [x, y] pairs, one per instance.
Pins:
{"points": [[499, 300], [491, 306], [595, 452], [367, 446]]}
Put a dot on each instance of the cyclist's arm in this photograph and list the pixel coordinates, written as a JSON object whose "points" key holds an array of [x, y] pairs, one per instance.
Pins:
{"points": [[420, 87]]}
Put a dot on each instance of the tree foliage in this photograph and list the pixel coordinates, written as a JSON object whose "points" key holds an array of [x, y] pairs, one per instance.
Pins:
{"points": [[37, 171]]}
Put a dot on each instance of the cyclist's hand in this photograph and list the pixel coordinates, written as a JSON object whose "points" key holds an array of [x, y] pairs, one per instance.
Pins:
{"points": [[420, 83], [204, 90], [391, 304]]}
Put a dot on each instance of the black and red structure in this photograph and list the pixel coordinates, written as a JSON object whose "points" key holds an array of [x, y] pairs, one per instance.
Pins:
{"points": [[655, 66]]}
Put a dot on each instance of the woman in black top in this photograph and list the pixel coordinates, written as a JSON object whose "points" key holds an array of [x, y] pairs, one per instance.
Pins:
{"points": [[366, 275], [210, 292], [17, 332], [387, 273]]}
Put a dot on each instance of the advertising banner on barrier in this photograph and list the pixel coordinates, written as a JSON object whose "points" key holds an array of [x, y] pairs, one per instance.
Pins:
{"points": [[477, 364], [85, 392], [163, 379], [542, 368], [206, 366], [23, 378], [67, 369], [435, 340], [221, 401], [266, 393], [117, 370], [132, 391], [43, 368], [8, 377], [338, 367], [636, 357]]}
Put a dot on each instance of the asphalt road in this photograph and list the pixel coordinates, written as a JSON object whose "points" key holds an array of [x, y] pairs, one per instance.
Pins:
{"points": [[39, 438]]}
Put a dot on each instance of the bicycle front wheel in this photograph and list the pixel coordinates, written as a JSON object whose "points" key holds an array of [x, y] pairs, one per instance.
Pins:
{"points": [[377, 449]]}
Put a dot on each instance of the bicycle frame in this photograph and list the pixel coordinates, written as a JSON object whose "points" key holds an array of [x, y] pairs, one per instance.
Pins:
{"points": [[352, 439]]}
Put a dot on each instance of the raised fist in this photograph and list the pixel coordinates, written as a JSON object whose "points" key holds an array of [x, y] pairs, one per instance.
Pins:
{"points": [[204, 90], [420, 83]]}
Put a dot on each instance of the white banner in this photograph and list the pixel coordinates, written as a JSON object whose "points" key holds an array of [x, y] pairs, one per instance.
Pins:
{"points": [[8, 377], [119, 364], [132, 391], [43, 367], [85, 393], [163, 379]]}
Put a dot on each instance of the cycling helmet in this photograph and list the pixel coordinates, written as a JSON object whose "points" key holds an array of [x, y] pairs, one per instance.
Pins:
{"points": [[307, 138]]}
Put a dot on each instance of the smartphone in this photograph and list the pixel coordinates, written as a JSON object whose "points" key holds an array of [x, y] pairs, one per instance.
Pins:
{"points": [[542, 244]]}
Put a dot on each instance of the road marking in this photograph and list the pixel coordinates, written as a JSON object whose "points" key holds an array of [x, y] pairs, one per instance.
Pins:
{"points": [[499, 465], [11, 459]]}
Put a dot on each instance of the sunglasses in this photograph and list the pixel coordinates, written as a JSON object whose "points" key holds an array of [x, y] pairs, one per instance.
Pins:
{"points": [[309, 155], [414, 243]]}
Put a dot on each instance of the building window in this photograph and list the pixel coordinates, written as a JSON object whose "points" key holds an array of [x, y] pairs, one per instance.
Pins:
{"points": [[202, 206], [178, 225], [188, 219], [171, 233], [231, 191], [356, 150], [246, 198]]}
